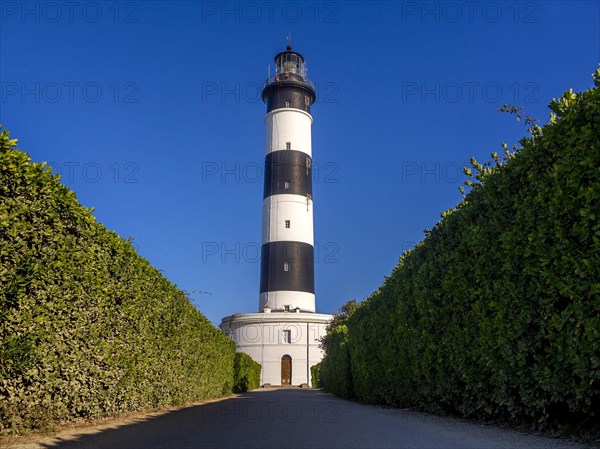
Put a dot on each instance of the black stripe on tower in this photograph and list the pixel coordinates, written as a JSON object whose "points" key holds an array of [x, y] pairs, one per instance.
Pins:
{"points": [[292, 93], [287, 266], [288, 172]]}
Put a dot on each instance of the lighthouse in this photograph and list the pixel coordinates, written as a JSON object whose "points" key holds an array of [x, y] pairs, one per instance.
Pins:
{"points": [[284, 336], [287, 252]]}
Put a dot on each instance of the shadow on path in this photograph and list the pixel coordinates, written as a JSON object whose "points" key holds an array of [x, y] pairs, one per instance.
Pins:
{"points": [[294, 418]]}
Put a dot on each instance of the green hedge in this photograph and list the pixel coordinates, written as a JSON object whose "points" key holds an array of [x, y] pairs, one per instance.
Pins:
{"points": [[496, 313], [334, 374], [315, 375], [246, 373], [87, 327]]}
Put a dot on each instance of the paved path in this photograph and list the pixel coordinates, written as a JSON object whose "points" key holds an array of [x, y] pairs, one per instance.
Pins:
{"points": [[294, 418]]}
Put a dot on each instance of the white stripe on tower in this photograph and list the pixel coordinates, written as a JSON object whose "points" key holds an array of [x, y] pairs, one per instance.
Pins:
{"points": [[288, 125]]}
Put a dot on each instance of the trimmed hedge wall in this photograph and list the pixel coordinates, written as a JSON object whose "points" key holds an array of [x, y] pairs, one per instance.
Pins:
{"points": [[246, 373], [87, 327], [334, 374], [496, 313]]}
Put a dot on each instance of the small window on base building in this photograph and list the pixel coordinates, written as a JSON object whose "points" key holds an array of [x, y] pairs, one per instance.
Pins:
{"points": [[287, 336]]}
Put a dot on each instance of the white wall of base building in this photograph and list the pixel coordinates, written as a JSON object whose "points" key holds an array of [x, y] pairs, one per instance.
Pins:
{"points": [[262, 337]]}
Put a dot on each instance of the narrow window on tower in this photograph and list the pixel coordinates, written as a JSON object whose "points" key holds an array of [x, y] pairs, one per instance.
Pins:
{"points": [[306, 100], [287, 223], [287, 104], [288, 145], [286, 266], [286, 185]]}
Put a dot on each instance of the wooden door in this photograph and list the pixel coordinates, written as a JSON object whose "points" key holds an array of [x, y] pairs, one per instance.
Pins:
{"points": [[286, 370]]}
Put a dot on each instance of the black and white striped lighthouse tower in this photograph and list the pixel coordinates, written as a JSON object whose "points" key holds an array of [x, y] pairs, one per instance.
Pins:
{"points": [[285, 343], [287, 255]]}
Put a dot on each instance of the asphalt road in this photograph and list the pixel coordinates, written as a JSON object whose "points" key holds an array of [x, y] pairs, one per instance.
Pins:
{"points": [[294, 418]]}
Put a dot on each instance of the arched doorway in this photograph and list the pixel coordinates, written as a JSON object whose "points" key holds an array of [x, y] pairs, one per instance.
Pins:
{"points": [[286, 370]]}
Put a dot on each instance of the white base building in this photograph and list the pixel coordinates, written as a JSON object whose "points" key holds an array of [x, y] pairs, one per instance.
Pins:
{"points": [[286, 344]]}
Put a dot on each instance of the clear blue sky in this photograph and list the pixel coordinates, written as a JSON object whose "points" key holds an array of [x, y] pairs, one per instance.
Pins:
{"points": [[152, 113]]}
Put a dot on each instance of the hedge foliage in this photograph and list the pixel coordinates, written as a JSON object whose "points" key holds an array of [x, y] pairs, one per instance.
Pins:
{"points": [[315, 375], [335, 375], [496, 313], [87, 327], [246, 373]]}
